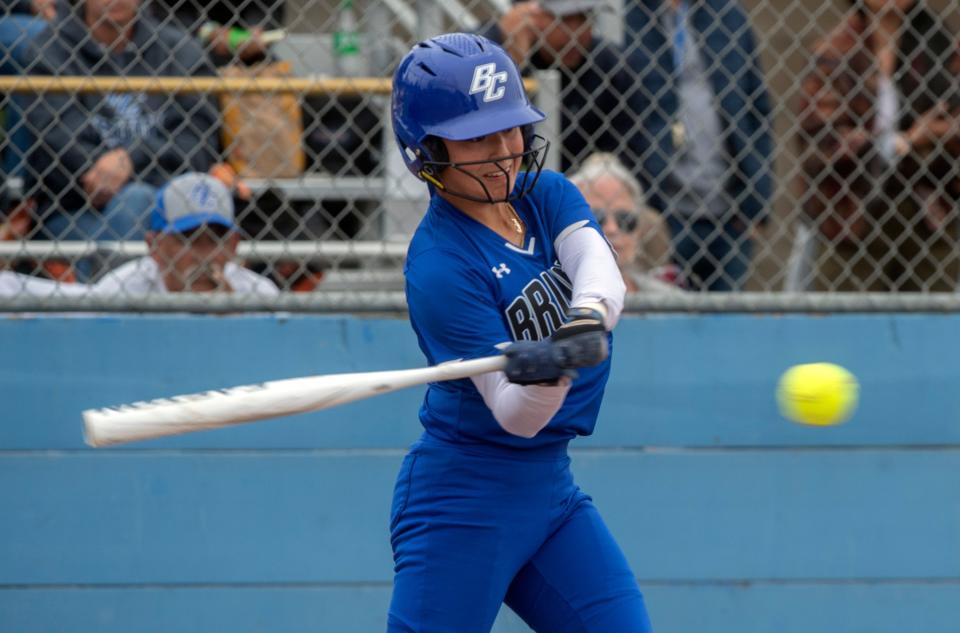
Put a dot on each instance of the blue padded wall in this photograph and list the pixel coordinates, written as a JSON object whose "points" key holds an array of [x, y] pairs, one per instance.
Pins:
{"points": [[732, 518]]}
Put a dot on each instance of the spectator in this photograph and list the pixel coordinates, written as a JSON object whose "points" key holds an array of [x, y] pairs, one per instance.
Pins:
{"points": [[879, 142], [708, 160], [100, 156], [44, 9], [192, 245], [14, 284], [20, 23], [600, 104], [212, 23], [637, 233]]}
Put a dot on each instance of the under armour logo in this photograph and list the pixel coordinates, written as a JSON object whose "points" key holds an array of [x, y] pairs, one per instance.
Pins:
{"points": [[500, 271], [487, 80]]}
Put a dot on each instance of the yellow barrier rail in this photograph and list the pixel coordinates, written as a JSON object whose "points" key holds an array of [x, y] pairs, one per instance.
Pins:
{"points": [[216, 85]]}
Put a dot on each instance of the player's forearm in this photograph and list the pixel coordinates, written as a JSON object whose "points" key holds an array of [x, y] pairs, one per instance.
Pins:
{"points": [[587, 259], [521, 410]]}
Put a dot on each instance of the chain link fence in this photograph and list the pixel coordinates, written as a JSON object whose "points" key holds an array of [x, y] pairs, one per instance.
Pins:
{"points": [[769, 148]]}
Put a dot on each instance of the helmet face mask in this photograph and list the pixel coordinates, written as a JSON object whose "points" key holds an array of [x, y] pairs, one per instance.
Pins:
{"points": [[532, 158], [459, 87]]}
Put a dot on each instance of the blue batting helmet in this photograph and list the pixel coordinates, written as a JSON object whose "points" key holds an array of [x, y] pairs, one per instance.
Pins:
{"points": [[457, 87]]}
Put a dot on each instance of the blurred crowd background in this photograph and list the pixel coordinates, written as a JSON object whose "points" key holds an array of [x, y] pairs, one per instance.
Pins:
{"points": [[161, 146]]}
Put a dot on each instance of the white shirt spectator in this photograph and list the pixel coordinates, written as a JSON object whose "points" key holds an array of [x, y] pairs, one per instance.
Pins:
{"points": [[142, 276], [14, 284]]}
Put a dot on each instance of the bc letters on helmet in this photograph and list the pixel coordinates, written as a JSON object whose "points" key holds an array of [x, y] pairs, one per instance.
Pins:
{"points": [[457, 87]]}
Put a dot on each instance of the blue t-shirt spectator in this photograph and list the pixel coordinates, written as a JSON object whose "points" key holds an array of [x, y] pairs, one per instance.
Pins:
{"points": [[87, 139], [687, 56]]}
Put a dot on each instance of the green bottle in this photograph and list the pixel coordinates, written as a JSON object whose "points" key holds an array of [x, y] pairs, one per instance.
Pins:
{"points": [[346, 42], [236, 36]]}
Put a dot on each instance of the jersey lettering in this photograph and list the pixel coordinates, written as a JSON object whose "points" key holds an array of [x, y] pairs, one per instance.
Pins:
{"points": [[520, 317], [548, 317], [487, 80], [539, 309], [559, 284]]}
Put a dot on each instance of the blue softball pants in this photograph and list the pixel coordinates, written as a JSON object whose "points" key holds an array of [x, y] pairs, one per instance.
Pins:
{"points": [[476, 527]]}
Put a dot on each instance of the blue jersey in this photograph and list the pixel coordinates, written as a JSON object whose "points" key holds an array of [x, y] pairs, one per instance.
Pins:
{"points": [[469, 290]]}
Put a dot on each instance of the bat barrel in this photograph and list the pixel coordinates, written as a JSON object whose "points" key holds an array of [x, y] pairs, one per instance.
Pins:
{"points": [[215, 409], [227, 407]]}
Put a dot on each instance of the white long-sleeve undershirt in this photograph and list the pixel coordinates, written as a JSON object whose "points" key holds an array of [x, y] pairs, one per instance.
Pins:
{"points": [[589, 262], [521, 409], [586, 258]]}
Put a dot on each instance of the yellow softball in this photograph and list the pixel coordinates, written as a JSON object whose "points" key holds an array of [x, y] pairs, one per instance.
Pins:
{"points": [[819, 394]]}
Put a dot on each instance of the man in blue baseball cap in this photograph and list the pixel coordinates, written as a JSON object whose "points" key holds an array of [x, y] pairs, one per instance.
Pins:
{"points": [[192, 243]]}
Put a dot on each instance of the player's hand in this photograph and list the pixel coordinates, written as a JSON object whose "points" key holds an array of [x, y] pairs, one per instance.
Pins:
{"points": [[546, 362], [580, 342], [534, 363], [580, 320]]}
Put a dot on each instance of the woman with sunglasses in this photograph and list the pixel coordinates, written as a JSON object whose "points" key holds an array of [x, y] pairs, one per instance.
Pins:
{"points": [[507, 257], [638, 234]]}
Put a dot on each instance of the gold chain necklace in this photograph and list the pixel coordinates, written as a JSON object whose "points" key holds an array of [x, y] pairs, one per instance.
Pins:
{"points": [[517, 224]]}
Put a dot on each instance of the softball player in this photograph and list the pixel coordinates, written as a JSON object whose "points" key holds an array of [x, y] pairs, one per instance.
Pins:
{"points": [[508, 257]]}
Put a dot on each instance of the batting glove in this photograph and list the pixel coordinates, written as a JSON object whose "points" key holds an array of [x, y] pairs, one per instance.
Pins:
{"points": [[580, 320], [581, 342]]}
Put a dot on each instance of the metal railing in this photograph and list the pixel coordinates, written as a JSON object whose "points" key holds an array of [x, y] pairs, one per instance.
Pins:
{"points": [[784, 162]]}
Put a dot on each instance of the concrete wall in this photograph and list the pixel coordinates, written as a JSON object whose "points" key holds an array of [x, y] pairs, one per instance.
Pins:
{"points": [[733, 519]]}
